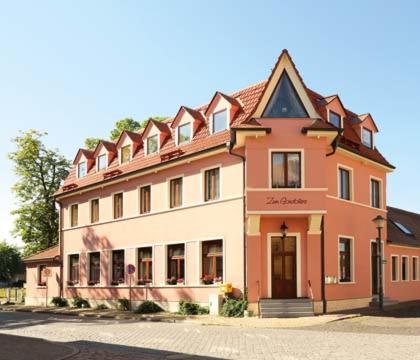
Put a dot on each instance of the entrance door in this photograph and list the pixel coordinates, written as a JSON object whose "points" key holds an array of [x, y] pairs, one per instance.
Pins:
{"points": [[283, 267], [374, 267]]}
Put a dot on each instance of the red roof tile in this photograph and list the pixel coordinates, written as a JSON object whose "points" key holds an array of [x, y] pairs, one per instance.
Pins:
{"points": [[48, 254]]}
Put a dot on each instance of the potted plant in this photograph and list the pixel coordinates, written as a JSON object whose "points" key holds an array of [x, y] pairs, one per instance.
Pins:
{"points": [[218, 280], [180, 281], [207, 280], [71, 282], [144, 281], [171, 281], [117, 282], [92, 283]]}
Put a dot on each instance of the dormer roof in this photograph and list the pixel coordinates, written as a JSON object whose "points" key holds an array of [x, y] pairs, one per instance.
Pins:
{"points": [[195, 114], [108, 145], [88, 154], [234, 102]]}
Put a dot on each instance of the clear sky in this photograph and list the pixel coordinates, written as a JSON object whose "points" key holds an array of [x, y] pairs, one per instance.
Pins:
{"points": [[72, 68]]}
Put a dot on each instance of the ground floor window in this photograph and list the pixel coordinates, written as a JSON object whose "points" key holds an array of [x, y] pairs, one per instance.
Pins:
{"points": [[404, 268], [176, 264], [42, 280], [415, 269], [394, 268], [94, 268], [117, 267], [73, 269], [145, 265], [345, 259], [212, 261]]}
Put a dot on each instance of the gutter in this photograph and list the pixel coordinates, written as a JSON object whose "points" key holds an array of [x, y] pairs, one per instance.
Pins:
{"points": [[60, 244]]}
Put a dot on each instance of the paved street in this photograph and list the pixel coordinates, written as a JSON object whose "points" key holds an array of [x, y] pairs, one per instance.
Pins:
{"points": [[361, 338]]}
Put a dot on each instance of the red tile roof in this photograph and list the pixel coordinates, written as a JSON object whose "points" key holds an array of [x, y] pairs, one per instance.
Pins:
{"points": [[247, 99], [52, 253], [409, 220]]}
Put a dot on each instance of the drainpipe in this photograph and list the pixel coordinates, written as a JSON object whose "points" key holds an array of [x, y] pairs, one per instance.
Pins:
{"points": [[230, 144], [60, 243], [335, 143]]}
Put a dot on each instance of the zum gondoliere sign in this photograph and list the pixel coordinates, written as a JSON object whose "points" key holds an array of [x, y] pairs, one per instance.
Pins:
{"points": [[284, 200]]}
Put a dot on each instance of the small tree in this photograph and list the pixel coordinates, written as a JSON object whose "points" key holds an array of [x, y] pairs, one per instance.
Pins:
{"points": [[10, 261], [124, 124], [91, 142]]}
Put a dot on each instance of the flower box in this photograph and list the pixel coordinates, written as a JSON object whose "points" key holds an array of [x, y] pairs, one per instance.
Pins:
{"points": [[42, 283], [117, 282], [93, 283], [144, 282], [72, 282]]}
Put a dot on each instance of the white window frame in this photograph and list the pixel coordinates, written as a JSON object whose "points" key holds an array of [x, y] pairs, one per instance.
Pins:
{"points": [[136, 259], [341, 118], [70, 215], [78, 169], [417, 274], [372, 138], [397, 268], [302, 168], [351, 179], [166, 263], [203, 182], [381, 200], [68, 268], [407, 268], [352, 260], [130, 146], [110, 265], [177, 134], [212, 120], [99, 210], [139, 198], [97, 162], [112, 205], [200, 258], [146, 143], [168, 190]]}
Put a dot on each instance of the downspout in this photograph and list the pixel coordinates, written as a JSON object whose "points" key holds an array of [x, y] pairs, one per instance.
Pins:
{"points": [[60, 243], [230, 146], [335, 143], [324, 300]]}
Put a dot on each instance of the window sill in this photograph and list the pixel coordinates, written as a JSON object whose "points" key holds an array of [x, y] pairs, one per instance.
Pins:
{"points": [[346, 283]]}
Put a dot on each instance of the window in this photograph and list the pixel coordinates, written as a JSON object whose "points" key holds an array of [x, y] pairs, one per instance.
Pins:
{"points": [[219, 121], [394, 268], [212, 261], [402, 228], [285, 170], [101, 162], [404, 268], [345, 260], [42, 280], [81, 169], [184, 133], [344, 184], [117, 267], [73, 269], [175, 193], [152, 144], [145, 265], [375, 193], [145, 192], [176, 264], [334, 119], [367, 138], [94, 211], [212, 184], [118, 205], [74, 215], [415, 269], [94, 268], [125, 154]]}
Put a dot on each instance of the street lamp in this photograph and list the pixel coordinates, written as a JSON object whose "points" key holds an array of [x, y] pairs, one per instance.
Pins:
{"points": [[283, 230], [380, 223]]}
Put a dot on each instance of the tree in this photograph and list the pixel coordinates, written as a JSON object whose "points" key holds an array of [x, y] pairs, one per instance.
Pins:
{"points": [[124, 124], [40, 171], [91, 142], [10, 261]]}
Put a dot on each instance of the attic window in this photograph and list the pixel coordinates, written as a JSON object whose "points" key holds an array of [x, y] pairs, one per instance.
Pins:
{"points": [[81, 169], [334, 119], [152, 144], [403, 228], [219, 121], [184, 133], [101, 162], [367, 138], [125, 154]]}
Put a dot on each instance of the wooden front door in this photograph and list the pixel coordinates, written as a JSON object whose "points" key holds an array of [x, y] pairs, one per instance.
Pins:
{"points": [[283, 267], [374, 267]]}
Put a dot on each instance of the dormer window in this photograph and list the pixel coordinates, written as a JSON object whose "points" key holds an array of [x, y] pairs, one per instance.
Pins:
{"points": [[125, 154], [81, 169], [367, 138], [152, 144], [101, 162], [184, 133], [334, 119], [219, 121]]}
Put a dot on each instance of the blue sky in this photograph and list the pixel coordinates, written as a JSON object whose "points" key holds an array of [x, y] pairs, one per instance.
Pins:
{"points": [[73, 68]]}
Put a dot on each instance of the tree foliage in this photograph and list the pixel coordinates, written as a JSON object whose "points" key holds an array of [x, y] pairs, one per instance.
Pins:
{"points": [[91, 142], [10, 261], [40, 171], [124, 124]]}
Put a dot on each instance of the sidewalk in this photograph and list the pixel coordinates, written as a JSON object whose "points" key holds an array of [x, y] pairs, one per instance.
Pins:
{"points": [[251, 322]]}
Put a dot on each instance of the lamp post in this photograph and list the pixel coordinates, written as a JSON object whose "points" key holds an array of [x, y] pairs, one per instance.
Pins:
{"points": [[283, 230], [380, 223]]}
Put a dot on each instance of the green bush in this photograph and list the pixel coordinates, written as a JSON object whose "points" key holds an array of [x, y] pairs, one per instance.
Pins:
{"points": [[58, 301], [101, 307], [148, 307], [79, 302], [123, 304], [234, 307], [191, 308]]}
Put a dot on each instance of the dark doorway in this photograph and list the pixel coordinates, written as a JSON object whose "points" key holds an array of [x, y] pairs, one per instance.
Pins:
{"points": [[283, 267]]}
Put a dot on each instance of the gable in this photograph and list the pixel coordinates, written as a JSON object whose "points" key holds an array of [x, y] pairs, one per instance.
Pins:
{"points": [[284, 101]]}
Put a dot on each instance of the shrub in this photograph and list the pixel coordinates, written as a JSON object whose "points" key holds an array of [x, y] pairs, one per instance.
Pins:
{"points": [[191, 308], [148, 307], [59, 301], [123, 304], [79, 302], [101, 307], [234, 307]]}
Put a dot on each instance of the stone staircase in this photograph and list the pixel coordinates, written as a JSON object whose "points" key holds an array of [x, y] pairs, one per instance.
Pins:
{"points": [[285, 308]]}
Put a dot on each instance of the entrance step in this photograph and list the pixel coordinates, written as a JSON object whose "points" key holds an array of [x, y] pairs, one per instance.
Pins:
{"points": [[285, 308]]}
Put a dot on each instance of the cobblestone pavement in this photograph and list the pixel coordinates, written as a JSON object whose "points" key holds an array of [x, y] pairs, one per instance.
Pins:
{"points": [[112, 339]]}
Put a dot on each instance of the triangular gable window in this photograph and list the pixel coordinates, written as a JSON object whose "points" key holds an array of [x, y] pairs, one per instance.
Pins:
{"points": [[284, 101]]}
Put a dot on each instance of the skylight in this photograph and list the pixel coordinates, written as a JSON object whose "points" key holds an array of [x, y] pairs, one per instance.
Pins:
{"points": [[403, 228]]}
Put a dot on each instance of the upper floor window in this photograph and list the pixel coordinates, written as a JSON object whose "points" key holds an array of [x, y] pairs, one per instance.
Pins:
{"points": [[81, 169], [394, 268], [375, 190], [286, 169], [145, 265], [94, 268], [101, 159], [145, 193], [344, 184], [211, 184], [152, 144], [367, 138], [118, 267], [219, 121], [212, 261], [184, 133], [94, 211], [345, 260], [74, 268], [74, 215], [175, 192], [125, 154], [334, 119], [176, 264], [118, 205]]}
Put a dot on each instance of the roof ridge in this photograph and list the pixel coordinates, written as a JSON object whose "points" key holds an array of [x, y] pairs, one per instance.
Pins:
{"points": [[403, 210]]}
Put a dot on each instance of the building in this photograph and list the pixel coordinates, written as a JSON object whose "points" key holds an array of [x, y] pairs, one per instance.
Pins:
{"points": [[272, 189]]}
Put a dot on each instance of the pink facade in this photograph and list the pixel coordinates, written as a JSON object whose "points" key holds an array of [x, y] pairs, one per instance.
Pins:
{"points": [[246, 170]]}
